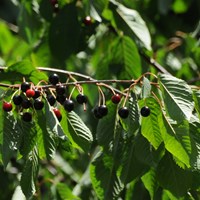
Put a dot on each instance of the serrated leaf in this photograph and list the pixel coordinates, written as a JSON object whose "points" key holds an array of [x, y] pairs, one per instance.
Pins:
{"points": [[177, 96], [131, 23], [11, 138], [29, 135], [80, 133], [172, 177], [106, 126], [29, 174], [196, 95], [104, 177], [172, 141], [150, 128], [125, 58], [146, 88], [132, 167], [64, 192]]}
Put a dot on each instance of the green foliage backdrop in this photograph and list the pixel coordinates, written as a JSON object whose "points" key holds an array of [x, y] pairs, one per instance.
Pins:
{"points": [[146, 51]]}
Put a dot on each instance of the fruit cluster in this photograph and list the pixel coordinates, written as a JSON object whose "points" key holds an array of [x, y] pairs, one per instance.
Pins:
{"points": [[32, 97]]}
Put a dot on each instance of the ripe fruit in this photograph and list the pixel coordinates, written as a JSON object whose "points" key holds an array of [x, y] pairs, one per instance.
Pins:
{"points": [[58, 114], [7, 106], [37, 93], [51, 99], [61, 98], [96, 113], [17, 100], [60, 89], [103, 110], [145, 111], [68, 105], [30, 93], [116, 98], [87, 21], [25, 86], [100, 111], [26, 103], [38, 104], [27, 117], [53, 2], [54, 79], [123, 112], [81, 98]]}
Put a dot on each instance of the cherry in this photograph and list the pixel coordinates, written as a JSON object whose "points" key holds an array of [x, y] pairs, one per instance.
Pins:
{"points": [[123, 112], [37, 93], [68, 105], [58, 114], [26, 103], [53, 2], [100, 111], [61, 98], [30, 93], [87, 21], [17, 99], [103, 110], [60, 89], [81, 98], [116, 98], [54, 79], [145, 111], [7, 106], [38, 104], [25, 86], [96, 113], [27, 117], [51, 99]]}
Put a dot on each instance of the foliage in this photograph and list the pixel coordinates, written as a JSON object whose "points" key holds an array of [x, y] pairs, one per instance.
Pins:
{"points": [[116, 51]]}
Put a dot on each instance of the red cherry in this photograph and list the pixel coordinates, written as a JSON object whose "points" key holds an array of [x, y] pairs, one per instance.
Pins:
{"points": [[7, 106], [116, 98], [58, 114], [30, 93]]}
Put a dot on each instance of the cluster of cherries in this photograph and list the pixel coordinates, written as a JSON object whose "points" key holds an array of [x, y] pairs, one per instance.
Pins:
{"points": [[32, 98]]}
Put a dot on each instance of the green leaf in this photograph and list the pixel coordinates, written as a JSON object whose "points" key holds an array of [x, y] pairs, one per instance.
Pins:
{"points": [[146, 88], [30, 26], [150, 182], [79, 132], [173, 141], [150, 125], [125, 58], [177, 96], [104, 177], [196, 96], [131, 23], [29, 136], [11, 138], [64, 34], [29, 174], [132, 167], [106, 126], [172, 177], [64, 192]]}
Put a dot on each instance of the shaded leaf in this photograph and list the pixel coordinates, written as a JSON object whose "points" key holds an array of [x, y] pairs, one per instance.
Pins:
{"points": [[177, 96], [106, 126], [131, 23], [104, 177], [29, 174], [172, 177], [11, 138]]}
